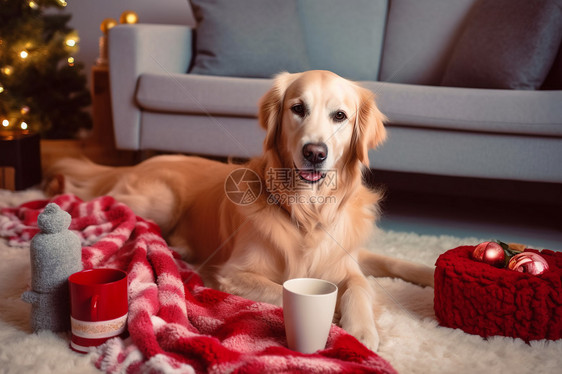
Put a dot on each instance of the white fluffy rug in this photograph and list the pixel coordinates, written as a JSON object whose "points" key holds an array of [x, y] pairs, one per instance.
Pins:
{"points": [[411, 339]]}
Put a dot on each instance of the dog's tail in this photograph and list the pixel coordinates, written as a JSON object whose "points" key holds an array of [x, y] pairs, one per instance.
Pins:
{"points": [[80, 177]]}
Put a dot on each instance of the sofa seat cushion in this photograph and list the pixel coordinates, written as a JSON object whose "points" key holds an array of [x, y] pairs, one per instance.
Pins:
{"points": [[470, 109], [201, 134], [462, 109], [201, 94]]}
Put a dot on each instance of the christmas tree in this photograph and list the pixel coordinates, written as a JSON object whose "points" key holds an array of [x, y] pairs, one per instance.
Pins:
{"points": [[42, 88]]}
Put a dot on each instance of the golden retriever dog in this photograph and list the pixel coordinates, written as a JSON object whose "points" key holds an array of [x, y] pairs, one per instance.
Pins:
{"points": [[299, 210]]}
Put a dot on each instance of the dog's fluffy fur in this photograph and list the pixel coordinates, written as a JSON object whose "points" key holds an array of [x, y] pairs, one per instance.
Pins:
{"points": [[311, 217]]}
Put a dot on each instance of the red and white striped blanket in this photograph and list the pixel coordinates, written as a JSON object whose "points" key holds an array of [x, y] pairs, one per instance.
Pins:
{"points": [[176, 324]]}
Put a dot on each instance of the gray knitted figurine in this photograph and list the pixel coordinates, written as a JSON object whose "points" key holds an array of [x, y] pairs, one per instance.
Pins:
{"points": [[55, 254]]}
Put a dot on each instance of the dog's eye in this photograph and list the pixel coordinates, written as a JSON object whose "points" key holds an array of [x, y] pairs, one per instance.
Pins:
{"points": [[340, 116], [298, 109]]}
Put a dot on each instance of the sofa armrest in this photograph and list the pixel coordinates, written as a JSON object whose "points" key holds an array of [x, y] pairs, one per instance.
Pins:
{"points": [[134, 50]]}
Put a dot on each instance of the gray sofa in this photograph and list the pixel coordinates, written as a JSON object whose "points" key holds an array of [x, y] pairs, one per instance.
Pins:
{"points": [[513, 134]]}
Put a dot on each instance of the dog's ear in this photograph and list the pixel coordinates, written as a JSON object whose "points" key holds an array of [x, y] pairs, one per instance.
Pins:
{"points": [[271, 106], [369, 125]]}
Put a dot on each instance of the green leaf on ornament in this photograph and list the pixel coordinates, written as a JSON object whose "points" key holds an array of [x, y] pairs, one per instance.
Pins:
{"points": [[509, 253]]}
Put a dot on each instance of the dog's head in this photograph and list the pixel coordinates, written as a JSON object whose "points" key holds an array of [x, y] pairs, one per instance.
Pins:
{"points": [[318, 121]]}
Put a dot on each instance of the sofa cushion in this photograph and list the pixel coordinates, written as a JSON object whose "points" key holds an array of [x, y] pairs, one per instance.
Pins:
{"points": [[344, 36], [419, 38], [258, 38], [508, 44], [553, 80], [247, 38]]}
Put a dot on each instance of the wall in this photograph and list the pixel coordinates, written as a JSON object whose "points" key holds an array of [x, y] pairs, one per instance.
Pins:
{"points": [[87, 16]]}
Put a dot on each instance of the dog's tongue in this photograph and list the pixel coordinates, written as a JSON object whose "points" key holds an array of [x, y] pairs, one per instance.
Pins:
{"points": [[310, 175]]}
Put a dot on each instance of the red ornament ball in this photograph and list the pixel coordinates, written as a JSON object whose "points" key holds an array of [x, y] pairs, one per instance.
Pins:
{"points": [[490, 253], [528, 262]]}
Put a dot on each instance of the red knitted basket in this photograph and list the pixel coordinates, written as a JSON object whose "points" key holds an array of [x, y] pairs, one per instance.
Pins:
{"points": [[483, 300]]}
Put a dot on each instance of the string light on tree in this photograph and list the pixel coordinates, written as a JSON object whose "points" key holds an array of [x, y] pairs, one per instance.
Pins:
{"points": [[5, 123], [23, 126], [24, 55], [71, 42], [70, 61], [7, 70], [33, 5]]}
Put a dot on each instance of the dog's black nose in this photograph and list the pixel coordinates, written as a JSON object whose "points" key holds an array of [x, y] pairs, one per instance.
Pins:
{"points": [[316, 153]]}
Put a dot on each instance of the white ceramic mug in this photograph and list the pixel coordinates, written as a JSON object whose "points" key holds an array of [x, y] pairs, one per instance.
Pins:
{"points": [[308, 310]]}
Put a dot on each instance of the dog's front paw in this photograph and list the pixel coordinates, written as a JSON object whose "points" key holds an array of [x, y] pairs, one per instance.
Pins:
{"points": [[369, 337], [357, 317], [365, 331]]}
